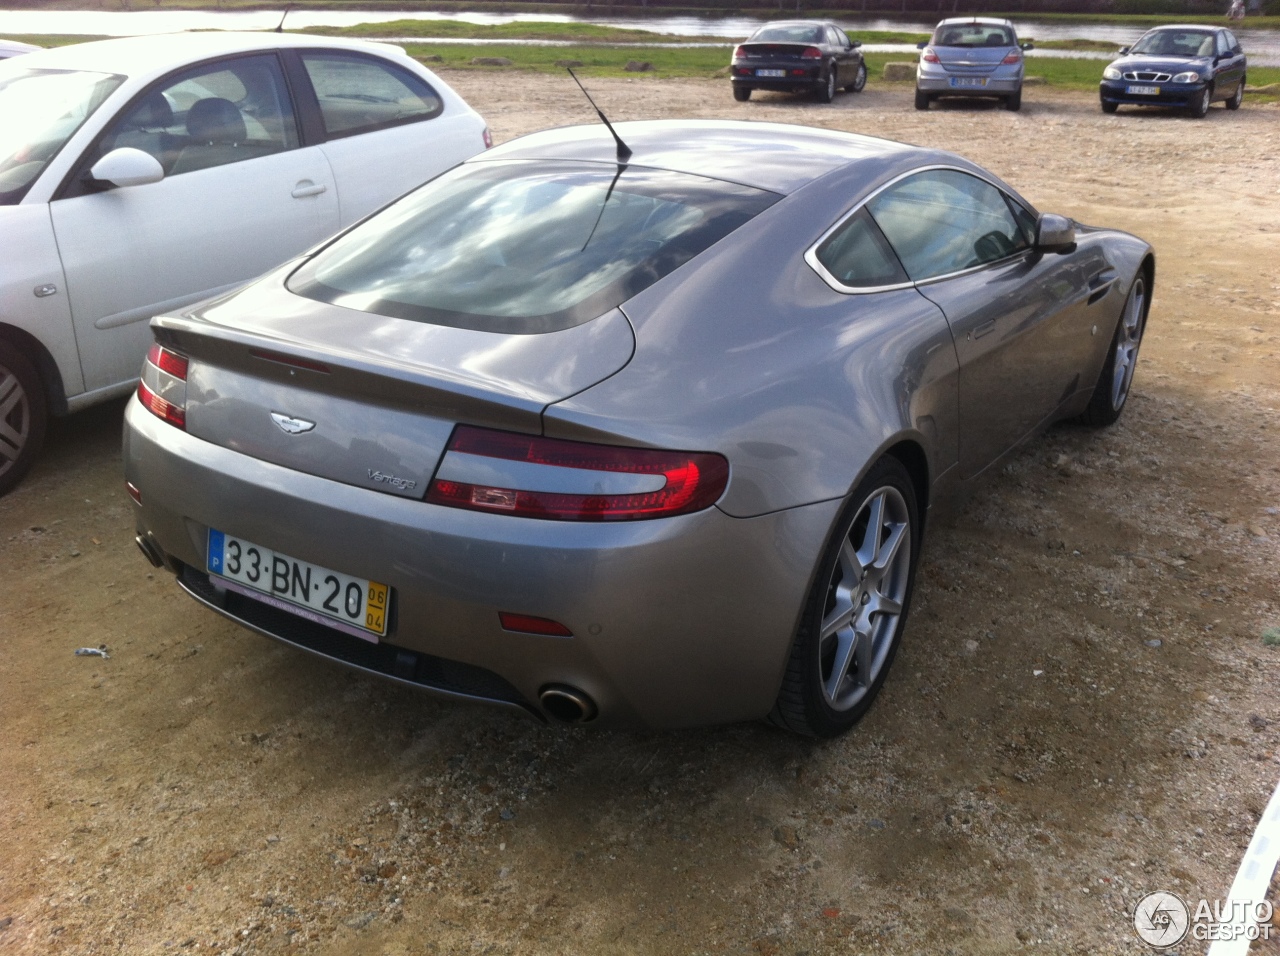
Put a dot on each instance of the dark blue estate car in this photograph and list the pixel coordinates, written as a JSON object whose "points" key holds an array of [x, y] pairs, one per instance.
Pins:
{"points": [[1183, 67]]}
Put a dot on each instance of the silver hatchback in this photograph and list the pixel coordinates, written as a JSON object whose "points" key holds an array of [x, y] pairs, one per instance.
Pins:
{"points": [[973, 56]]}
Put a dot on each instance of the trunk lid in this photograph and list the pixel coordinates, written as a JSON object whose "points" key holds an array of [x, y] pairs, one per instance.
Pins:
{"points": [[972, 60], [366, 399]]}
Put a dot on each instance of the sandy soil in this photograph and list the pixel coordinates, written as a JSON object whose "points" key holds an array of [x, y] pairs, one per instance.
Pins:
{"points": [[1083, 711]]}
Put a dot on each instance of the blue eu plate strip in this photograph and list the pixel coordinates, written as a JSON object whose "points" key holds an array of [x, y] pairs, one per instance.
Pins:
{"points": [[215, 551]]}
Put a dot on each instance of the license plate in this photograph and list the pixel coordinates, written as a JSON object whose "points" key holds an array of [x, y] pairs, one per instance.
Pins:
{"points": [[355, 606], [1142, 90], [961, 81], [771, 72]]}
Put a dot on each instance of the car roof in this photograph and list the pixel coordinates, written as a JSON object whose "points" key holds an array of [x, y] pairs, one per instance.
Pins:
{"points": [[1186, 27], [159, 53], [988, 21], [792, 23], [771, 156]]}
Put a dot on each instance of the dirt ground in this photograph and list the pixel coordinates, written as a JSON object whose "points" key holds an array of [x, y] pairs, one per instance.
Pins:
{"points": [[1084, 709]]}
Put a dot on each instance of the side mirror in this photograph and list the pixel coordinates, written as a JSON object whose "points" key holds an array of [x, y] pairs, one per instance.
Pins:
{"points": [[856, 44], [1027, 46], [1124, 50], [127, 166], [922, 44], [1055, 233]]}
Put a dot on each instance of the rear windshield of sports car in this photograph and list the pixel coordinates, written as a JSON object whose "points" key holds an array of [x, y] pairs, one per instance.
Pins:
{"points": [[526, 246]]}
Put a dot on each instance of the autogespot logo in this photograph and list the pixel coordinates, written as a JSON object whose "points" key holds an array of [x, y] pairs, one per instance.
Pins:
{"points": [[1161, 919]]}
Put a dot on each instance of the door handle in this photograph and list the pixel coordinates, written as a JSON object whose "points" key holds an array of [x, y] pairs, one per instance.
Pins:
{"points": [[307, 188]]}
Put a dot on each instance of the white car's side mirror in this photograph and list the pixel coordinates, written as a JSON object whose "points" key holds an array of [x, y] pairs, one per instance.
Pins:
{"points": [[127, 166]]}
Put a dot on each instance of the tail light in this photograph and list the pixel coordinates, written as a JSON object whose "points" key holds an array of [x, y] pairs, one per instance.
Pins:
{"points": [[554, 479], [811, 53], [488, 138], [1012, 58], [163, 386], [739, 52], [930, 57]]}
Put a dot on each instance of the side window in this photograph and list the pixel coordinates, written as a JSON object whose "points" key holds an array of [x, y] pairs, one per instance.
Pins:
{"points": [[838, 38], [1233, 43], [1224, 45], [945, 221], [359, 94], [210, 116], [858, 256]]}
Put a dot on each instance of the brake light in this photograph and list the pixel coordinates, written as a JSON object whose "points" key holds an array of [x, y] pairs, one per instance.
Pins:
{"points": [[930, 57], [528, 624], [488, 138], [739, 52], [166, 361], [811, 53], [559, 480], [162, 388], [1012, 58], [162, 408]]}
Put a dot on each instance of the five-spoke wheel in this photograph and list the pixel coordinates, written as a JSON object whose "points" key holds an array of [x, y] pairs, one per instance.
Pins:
{"points": [[1112, 389]]}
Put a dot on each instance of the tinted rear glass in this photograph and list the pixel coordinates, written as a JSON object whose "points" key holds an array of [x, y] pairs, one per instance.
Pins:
{"points": [[801, 33], [972, 35], [524, 247]]}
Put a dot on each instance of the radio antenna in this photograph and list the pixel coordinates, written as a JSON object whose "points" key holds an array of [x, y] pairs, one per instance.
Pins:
{"points": [[280, 25], [624, 151]]}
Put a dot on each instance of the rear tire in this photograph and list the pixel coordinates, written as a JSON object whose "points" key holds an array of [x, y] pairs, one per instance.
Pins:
{"points": [[1109, 107], [23, 416], [854, 616], [1111, 392], [922, 100], [860, 80], [827, 92], [1237, 97], [1013, 101], [742, 93]]}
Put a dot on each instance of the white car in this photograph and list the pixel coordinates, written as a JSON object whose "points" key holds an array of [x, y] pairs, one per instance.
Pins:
{"points": [[141, 175], [10, 48]]}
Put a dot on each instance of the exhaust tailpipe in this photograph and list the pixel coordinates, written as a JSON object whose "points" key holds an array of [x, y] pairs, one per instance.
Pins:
{"points": [[567, 704], [150, 550]]}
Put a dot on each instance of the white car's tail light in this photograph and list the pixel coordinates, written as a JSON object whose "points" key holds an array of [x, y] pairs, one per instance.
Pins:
{"points": [[551, 478], [930, 57], [163, 386]]}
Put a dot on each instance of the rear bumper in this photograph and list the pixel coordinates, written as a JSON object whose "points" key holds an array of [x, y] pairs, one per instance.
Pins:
{"points": [[800, 76], [941, 86], [1174, 96], [676, 622]]}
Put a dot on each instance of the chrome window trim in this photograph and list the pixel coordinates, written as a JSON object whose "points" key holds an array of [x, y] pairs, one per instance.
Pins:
{"points": [[811, 254]]}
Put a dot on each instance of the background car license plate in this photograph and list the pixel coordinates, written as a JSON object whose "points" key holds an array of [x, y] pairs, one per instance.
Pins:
{"points": [[968, 81], [354, 605], [771, 72], [1143, 90]]}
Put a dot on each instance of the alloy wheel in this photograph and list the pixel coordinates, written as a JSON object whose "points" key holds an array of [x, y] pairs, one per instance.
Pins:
{"points": [[1128, 339], [865, 599], [15, 419]]}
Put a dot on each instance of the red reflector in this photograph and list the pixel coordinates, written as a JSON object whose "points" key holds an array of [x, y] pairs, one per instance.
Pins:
{"points": [[527, 624], [166, 361], [134, 491], [694, 480], [488, 139], [811, 53], [159, 407], [799, 72], [1012, 58], [289, 360]]}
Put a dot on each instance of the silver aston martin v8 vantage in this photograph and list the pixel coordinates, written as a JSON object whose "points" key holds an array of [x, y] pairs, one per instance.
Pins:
{"points": [[638, 435]]}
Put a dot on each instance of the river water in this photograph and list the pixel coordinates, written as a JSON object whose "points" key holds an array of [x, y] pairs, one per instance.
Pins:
{"points": [[1263, 46]]}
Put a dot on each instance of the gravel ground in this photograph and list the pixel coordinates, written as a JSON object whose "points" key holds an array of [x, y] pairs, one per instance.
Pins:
{"points": [[1084, 709]]}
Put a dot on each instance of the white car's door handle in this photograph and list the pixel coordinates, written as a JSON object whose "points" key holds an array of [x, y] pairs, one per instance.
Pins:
{"points": [[307, 188]]}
